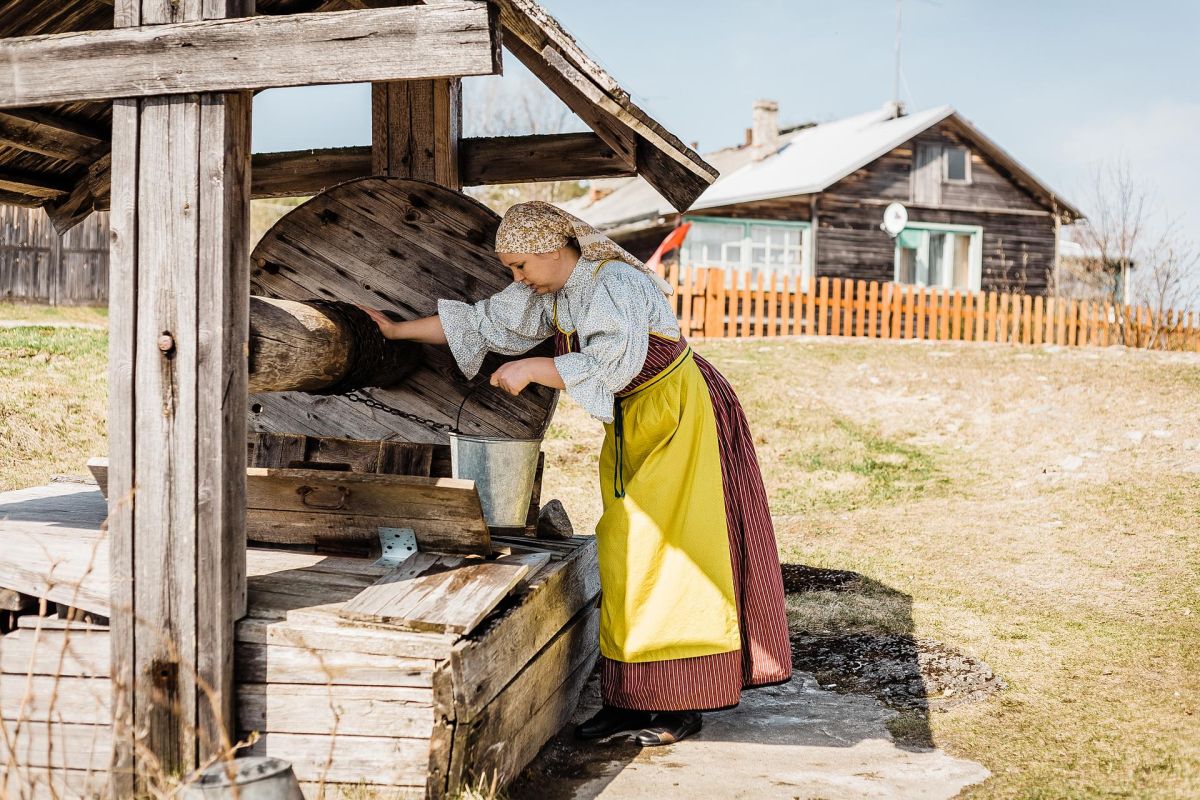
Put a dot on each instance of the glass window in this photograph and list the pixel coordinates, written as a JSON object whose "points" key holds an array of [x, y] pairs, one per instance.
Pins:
{"points": [[751, 246], [956, 164], [933, 256]]}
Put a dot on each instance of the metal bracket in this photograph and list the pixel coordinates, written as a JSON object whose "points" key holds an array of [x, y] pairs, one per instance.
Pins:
{"points": [[396, 544]]}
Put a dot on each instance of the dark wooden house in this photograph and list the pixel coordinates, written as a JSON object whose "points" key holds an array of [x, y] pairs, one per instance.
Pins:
{"points": [[810, 200]]}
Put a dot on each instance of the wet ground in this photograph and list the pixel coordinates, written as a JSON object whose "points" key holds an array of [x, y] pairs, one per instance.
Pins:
{"points": [[829, 733]]}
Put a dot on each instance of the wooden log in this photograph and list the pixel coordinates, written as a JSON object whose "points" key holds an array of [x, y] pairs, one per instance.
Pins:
{"points": [[428, 41], [297, 346]]}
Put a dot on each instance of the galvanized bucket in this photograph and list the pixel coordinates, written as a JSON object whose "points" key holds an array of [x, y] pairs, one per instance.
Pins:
{"points": [[251, 778], [503, 470]]}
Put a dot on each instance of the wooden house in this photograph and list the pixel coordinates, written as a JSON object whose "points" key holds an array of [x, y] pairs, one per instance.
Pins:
{"points": [[208, 603], [809, 200]]}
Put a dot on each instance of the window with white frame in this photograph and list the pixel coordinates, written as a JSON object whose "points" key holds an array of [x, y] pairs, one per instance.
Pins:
{"points": [[947, 256], [957, 161], [748, 246]]}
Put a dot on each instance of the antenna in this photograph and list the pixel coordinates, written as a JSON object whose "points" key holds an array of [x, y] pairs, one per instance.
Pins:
{"points": [[896, 78]]}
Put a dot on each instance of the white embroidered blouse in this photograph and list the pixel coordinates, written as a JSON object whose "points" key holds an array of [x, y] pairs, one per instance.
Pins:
{"points": [[612, 309]]}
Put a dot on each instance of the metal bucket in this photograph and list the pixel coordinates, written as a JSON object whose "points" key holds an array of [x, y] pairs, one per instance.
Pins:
{"points": [[251, 778], [503, 471]]}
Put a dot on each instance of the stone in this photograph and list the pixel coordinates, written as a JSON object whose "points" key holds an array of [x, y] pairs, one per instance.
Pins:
{"points": [[553, 522]]}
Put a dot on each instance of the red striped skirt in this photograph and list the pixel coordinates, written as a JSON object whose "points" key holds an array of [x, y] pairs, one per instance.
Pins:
{"points": [[715, 681]]}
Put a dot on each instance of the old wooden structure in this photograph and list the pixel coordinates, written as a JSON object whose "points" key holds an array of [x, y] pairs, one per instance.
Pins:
{"points": [[808, 202], [199, 638], [37, 265]]}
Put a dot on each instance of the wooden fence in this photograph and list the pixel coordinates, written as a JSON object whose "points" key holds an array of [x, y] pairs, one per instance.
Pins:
{"points": [[710, 304], [39, 266]]}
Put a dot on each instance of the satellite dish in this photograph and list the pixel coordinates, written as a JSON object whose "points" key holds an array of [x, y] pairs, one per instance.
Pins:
{"points": [[895, 217]]}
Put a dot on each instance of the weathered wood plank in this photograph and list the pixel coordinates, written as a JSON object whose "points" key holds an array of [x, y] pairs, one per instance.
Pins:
{"points": [[485, 663], [41, 783], [546, 157], [35, 136], [272, 664], [373, 760], [445, 513], [429, 41], [80, 650], [437, 593], [37, 698], [530, 710], [335, 710], [61, 745], [322, 632], [416, 127]]}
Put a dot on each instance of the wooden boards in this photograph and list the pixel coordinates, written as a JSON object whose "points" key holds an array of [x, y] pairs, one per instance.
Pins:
{"points": [[305, 506], [431, 592], [428, 41], [400, 245]]}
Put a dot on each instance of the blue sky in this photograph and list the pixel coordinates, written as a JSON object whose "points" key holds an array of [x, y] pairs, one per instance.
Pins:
{"points": [[1061, 84]]}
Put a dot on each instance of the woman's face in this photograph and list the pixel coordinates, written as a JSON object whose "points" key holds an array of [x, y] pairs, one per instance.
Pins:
{"points": [[545, 273]]}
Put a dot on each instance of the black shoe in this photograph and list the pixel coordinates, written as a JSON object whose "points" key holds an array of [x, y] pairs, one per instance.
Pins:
{"points": [[669, 727], [609, 720]]}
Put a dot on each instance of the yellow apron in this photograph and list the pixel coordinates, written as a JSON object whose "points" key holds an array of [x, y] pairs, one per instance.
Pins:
{"points": [[665, 572]]}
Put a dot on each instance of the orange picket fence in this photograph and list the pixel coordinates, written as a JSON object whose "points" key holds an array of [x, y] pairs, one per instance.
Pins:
{"points": [[710, 305]]}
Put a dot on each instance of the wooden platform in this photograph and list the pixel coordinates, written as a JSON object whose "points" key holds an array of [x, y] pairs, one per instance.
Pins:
{"points": [[345, 701]]}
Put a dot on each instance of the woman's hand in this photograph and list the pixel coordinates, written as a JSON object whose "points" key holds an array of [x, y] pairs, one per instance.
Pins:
{"points": [[386, 326], [514, 376]]}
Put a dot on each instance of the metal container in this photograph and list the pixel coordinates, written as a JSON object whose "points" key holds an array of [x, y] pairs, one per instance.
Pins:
{"points": [[503, 470], [255, 778]]}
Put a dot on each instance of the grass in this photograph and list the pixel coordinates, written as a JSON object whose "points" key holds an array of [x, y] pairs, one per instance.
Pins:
{"points": [[24, 312], [1035, 508]]}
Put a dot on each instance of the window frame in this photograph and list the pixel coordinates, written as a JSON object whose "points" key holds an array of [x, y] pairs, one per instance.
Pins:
{"points": [[966, 179], [805, 227], [974, 253]]}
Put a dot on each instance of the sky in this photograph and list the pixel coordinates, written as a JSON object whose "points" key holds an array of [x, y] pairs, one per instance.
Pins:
{"points": [[1063, 85]]}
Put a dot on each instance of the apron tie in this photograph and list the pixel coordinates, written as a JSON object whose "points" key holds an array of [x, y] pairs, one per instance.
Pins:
{"points": [[618, 448]]}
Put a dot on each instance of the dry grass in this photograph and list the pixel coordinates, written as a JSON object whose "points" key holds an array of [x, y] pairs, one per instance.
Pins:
{"points": [[1034, 508], [52, 402], [82, 315]]}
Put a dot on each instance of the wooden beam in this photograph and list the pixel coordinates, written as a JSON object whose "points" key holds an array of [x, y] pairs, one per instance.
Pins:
{"points": [[34, 136], [554, 157], [447, 39], [179, 291], [91, 192], [482, 161], [416, 127], [304, 172], [32, 183], [537, 39]]}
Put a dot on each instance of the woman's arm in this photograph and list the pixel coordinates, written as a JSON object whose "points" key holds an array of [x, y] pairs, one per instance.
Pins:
{"points": [[426, 330]]}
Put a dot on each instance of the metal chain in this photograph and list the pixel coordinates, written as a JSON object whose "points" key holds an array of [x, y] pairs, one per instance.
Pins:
{"points": [[371, 402]]}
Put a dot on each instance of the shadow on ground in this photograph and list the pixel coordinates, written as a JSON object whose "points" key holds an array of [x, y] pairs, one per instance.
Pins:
{"points": [[853, 722]]}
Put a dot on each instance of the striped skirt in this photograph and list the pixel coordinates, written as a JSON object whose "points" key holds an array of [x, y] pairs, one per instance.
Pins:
{"points": [[707, 682]]}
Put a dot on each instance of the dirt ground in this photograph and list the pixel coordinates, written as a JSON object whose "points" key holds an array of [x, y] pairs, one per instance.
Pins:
{"points": [[1011, 532]]}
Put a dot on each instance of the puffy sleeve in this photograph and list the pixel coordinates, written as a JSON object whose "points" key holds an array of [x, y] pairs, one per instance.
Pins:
{"points": [[509, 322], [614, 338]]}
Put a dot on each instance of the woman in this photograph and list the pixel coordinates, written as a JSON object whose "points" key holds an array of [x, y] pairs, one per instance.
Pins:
{"points": [[692, 599]]}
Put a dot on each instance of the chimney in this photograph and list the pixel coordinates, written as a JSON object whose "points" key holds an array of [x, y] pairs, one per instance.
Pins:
{"points": [[764, 135]]}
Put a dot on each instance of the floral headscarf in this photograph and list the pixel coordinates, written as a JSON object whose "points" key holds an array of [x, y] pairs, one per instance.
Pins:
{"points": [[538, 227]]}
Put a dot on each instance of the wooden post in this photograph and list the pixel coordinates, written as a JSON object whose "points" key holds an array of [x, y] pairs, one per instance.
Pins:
{"points": [[416, 129], [179, 291], [714, 302]]}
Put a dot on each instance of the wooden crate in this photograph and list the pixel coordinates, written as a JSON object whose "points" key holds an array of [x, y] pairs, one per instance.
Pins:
{"points": [[344, 701]]}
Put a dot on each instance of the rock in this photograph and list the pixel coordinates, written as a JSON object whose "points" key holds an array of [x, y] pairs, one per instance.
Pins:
{"points": [[1135, 436], [1071, 463], [553, 522]]}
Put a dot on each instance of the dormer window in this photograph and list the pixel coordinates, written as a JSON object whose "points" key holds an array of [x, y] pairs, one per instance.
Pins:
{"points": [[957, 161]]}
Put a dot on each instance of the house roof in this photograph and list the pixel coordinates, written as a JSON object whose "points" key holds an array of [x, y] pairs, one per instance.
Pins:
{"points": [[807, 160]]}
